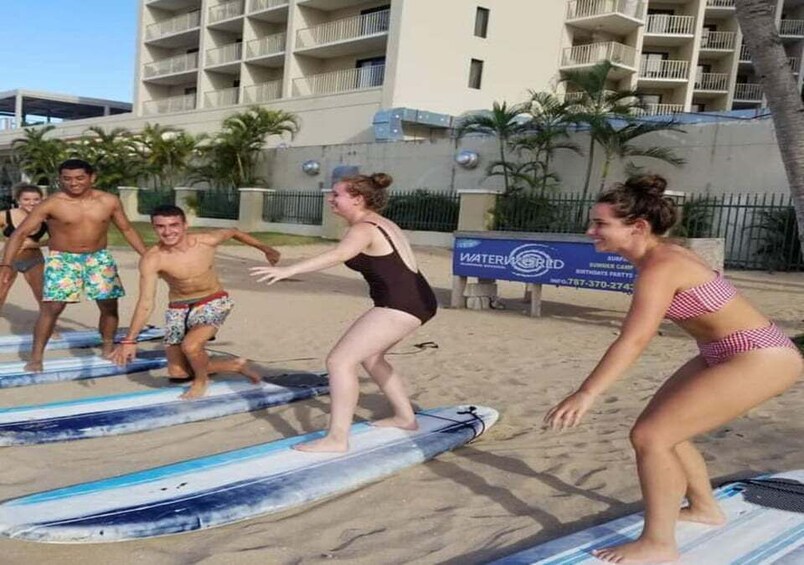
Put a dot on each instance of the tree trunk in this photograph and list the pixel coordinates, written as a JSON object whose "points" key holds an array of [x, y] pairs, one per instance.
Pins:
{"points": [[588, 178], [758, 25], [604, 174], [504, 164]]}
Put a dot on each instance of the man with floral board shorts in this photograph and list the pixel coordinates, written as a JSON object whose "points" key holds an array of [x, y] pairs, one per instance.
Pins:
{"points": [[198, 304], [78, 219]]}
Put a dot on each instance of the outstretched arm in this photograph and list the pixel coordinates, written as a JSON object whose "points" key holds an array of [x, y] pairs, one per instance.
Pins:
{"points": [[653, 293], [127, 349], [219, 236], [124, 225], [357, 239]]}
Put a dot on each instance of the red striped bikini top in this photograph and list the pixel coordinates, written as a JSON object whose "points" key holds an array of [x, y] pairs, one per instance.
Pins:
{"points": [[703, 299]]}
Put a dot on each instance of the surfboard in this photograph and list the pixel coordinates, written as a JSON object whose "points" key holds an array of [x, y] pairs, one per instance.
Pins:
{"points": [[75, 368], [765, 525], [139, 411], [235, 485], [72, 338]]}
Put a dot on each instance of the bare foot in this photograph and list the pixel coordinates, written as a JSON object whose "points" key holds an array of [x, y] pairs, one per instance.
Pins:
{"points": [[106, 348], [397, 422], [244, 367], [324, 445], [196, 390], [640, 551], [712, 516], [34, 366]]}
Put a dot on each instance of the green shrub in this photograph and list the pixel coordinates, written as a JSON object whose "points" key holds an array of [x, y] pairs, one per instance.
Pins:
{"points": [[779, 242], [424, 210]]}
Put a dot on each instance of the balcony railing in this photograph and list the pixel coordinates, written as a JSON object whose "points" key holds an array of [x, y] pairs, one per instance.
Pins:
{"points": [[718, 40], [260, 5], [745, 55], [269, 45], [264, 92], [592, 53], [181, 103], [173, 65], [663, 69], [661, 109], [666, 24], [178, 24], [226, 10], [715, 82], [225, 54], [792, 27], [346, 28], [792, 62], [223, 97], [340, 81], [748, 91], [720, 3], [577, 9]]}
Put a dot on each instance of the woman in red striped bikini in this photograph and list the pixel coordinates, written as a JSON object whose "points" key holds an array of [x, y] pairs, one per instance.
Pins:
{"points": [[744, 360]]}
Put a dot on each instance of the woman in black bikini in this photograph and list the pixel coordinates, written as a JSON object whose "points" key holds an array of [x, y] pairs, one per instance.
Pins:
{"points": [[29, 261], [375, 247]]}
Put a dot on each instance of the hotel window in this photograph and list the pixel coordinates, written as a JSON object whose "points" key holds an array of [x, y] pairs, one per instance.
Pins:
{"points": [[481, 22], [475, 73]]}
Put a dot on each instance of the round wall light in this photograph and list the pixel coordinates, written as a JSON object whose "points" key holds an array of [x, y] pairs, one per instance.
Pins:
{"points": [[467, 159], [311, 167]]}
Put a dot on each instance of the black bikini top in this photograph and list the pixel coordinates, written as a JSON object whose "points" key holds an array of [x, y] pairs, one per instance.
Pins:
{"points": [[9, 229]]}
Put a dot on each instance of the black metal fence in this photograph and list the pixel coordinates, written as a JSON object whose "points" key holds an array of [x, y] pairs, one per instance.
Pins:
{"points": [[148, 199], [221, 203], [293, 207], [424, 210]]}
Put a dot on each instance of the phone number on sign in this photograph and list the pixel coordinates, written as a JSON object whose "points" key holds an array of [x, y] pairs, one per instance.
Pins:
{"points": [[600, 285]]}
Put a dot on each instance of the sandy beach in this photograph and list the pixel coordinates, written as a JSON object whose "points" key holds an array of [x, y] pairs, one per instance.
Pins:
{"points": [[516, 486]]}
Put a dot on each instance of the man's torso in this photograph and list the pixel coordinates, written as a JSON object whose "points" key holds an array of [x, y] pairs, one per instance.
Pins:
{"points": [[79, 225], [190, 273]]}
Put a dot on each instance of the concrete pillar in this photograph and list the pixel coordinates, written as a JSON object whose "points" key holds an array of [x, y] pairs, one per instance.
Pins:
{"points": [[252, 201], [332, 225], [18, 115], [477, 210], [129, 200], [187, 200]]}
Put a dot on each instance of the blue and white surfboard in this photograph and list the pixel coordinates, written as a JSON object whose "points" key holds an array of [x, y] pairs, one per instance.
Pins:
{"points": [[76, 368], [233, 486], [765, 526], [72, 339], [139, 411]]}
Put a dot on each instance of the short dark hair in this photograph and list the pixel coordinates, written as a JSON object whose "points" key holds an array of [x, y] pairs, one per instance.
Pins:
{"points": [[168, 211], [72, 164]]}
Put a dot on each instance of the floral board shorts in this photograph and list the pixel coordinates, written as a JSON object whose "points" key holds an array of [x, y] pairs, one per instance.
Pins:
{"points": [[67, 275], [183, 316]]}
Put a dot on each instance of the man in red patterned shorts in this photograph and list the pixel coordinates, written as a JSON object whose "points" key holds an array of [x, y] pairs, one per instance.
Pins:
{"points": [[198, 304]]}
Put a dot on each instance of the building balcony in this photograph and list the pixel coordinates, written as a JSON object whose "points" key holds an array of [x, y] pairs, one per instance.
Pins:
{"points": [[229, 55], [345, 36], [659, 109], [170, 105], [175, 31], [745, 59], [329, 5], [340, 81], [222, 98], [174, 70], [225, 11], [791, 29], [714, 7], [616, 16], [275, 11], [747, 92], [663, 70], [261, 93], [623, 57], [718, 40], [267, 51], [712, 82], [662, 29]]}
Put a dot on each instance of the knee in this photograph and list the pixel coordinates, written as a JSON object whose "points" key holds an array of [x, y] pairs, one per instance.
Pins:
{"points": [[108, 308], [645, 436], [191, 348], [53, 309], [375, 363], [337, 363]]}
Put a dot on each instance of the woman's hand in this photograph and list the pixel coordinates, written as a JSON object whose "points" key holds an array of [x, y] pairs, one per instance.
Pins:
{"points": [[568, 412], [271, 274]]}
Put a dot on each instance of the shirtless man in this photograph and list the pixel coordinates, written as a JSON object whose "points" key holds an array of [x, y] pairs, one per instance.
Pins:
{"points": [[198, 304], [78, 219]]}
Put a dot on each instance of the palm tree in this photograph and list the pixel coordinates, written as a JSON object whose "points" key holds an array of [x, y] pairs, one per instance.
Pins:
{"points": [[503, 122], [114, 155], [167, 152], [616, 141], [596, 104], [758, 25], [37, 156]]}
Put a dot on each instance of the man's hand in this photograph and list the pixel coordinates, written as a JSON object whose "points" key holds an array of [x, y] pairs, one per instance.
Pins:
{"points": [[272, 255], [123, 353]]}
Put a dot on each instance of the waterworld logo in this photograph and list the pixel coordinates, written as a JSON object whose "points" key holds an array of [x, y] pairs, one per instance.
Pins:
{"points": [[533, 260]]}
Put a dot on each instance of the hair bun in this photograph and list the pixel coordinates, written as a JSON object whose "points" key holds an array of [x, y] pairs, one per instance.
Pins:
{"points": [[381, 180], [652, 185]]}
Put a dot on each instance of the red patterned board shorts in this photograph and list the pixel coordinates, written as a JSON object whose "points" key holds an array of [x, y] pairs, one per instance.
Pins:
{"points": [[716, 352], [181, 317]]}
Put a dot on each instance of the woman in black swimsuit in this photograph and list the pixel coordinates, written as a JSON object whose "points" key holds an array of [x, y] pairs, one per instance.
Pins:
{"points": [[29, 261], [375, 247]]}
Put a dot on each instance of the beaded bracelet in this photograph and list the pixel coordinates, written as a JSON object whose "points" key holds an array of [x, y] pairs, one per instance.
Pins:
{"points": [[128, 342]]}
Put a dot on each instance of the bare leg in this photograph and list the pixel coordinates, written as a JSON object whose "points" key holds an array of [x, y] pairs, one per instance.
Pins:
{"points": [[692, 403], [4, 290], [178, 367], [392, 386], [371, 334], [49, 312], [192, 346], [703, 507], [107, 324], [33, 277]]}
